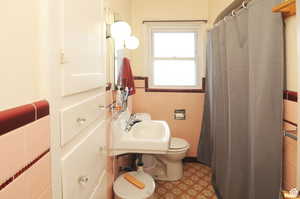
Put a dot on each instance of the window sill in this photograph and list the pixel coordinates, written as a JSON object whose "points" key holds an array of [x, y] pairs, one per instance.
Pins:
{"points": [[169, 90]]}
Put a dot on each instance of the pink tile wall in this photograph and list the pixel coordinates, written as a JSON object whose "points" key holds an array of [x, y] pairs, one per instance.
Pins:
{"points": [[289, 163], [12, 145], [47, 194], [289, 127], [37, 138], [39, 177], [290, 111], [25, 144], [19, 188], [289, 169], [24, 151], [32, 184]]}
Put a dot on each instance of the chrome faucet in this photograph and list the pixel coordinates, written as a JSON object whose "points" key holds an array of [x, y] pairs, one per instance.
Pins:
{"points": [[124, 98], [131, 122]]}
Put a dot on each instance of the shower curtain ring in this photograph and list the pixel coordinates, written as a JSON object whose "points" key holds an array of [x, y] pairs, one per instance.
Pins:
{"points": [[233, 13], [244, 4]]}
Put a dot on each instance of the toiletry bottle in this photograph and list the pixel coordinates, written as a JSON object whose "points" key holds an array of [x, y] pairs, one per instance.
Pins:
{"points": [[119, 98]]}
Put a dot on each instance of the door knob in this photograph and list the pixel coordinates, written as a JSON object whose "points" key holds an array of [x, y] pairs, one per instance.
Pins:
{"points": [[83, 180], [81, 120]]}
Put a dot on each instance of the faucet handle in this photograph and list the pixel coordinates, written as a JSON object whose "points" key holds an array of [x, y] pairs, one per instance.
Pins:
{"points": [[132, 116], [135, 122], [114, 107]]}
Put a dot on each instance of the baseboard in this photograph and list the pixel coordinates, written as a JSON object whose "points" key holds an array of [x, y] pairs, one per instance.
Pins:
{"points": [[191, 159]]}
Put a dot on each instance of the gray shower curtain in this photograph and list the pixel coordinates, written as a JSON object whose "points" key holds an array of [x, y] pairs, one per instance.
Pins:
{"points": [[241, 136]]}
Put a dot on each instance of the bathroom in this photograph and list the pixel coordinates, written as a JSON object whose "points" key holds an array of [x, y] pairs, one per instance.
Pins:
{"points": [[138, 99]]}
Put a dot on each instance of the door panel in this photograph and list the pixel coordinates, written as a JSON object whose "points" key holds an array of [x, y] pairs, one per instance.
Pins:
{"points": [[83, 58], [100, 191], [76, 118]]}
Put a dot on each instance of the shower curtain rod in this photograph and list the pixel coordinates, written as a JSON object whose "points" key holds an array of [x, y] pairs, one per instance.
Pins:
{"points": [[232, 9]]}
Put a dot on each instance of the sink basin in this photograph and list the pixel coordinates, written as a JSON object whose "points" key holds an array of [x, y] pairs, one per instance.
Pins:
{"points": [[149, 130], [148, 136]]}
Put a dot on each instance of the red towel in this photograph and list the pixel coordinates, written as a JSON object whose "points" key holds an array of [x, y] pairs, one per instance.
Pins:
{"points": [[126, 78]]}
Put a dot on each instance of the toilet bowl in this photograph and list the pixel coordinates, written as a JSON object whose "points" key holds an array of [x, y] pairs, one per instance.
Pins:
{"points": [[169, 166]]}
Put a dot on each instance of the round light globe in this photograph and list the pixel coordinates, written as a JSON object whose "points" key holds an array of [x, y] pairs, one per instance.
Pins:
{"points": [[132, 43], [120, 30]]}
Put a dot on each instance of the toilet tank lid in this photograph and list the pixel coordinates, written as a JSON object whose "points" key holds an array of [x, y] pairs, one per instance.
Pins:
{"points": [[178, 143], [124, 189]]}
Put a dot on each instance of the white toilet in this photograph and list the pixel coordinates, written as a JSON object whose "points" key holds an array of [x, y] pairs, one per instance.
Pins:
{"points": [[167, 167]]}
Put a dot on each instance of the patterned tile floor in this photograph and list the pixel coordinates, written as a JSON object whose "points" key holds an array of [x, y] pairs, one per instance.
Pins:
{"points": [[195, 184]]}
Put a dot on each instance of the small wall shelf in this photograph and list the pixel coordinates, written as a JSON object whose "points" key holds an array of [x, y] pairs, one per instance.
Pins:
{"points": [[287, 8]]}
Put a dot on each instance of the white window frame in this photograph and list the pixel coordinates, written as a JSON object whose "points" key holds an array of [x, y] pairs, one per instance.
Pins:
{"points": [[199, 28]]}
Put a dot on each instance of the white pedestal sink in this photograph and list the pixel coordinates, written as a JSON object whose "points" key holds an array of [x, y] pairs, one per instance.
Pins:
{"points": [[148, 136]]}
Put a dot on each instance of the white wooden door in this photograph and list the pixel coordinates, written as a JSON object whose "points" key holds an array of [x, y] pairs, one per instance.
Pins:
{"points": [[82, 54], [82, 114]]}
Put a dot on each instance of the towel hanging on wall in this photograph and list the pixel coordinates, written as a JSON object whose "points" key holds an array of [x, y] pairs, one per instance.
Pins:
{"points": [[126, 76]]}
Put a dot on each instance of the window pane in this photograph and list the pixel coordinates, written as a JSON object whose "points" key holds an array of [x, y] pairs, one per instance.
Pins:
{"points": [[174, 73], [174, 44]]}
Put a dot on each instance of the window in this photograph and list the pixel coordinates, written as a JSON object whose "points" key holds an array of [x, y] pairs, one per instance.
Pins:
{"points": [[176, 54]]}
